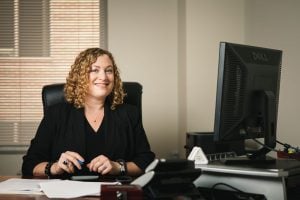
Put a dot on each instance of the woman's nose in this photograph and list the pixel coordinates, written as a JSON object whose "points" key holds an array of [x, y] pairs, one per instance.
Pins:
{"points": [[102, 74]]}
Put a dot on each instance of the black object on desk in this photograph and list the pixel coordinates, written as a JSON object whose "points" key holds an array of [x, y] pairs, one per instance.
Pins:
{"points": [[103, 178], [116, 192], [206, 142], [219, 194], [172, 179]]}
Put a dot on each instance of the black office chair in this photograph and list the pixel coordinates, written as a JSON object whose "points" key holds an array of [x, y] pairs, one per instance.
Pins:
{"points": [[54, 93]]}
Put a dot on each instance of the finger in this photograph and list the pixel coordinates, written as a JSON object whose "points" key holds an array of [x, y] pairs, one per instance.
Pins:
{"points": [[71, 168], [106, 170], [105, 167], [95, 167], [72, 157], [75, 155], [97, 162], [100, 169], [65, 162], [66, 167], [76, 163], [100, 158]]}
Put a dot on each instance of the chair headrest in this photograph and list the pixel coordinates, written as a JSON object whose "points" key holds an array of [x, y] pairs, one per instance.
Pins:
{"points": [[54, 93]]}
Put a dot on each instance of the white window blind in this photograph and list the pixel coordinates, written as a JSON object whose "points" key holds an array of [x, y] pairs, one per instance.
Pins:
{"points": [[42, 40]]}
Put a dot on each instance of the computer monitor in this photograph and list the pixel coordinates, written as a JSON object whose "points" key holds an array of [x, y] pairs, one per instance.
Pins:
{"points": [[247, 95]]}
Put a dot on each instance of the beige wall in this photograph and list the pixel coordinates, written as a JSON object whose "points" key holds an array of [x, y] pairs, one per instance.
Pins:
{"points": [[208, 23], [11, 163], [171, 47], [143, 38]]}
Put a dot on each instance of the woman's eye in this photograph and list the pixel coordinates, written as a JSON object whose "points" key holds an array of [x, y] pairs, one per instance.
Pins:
{"points": [[108, 71], [94, 70]]}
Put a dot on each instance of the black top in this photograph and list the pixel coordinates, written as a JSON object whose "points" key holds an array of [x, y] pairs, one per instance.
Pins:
{"points": [[95, 147], [64, 128], [96, 141]]}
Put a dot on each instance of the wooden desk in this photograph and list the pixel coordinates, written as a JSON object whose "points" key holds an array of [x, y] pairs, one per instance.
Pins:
{"points": [[31, 196]]}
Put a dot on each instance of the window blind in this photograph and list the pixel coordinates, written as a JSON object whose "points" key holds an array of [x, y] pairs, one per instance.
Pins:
{"points": [[47, 36]]}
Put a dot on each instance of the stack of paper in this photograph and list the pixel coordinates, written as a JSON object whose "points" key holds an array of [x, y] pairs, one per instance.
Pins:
{"points": [[52, 188], [22, 186]]}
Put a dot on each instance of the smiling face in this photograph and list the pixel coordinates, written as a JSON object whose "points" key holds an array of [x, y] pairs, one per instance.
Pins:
{"points": [[101, 78]]}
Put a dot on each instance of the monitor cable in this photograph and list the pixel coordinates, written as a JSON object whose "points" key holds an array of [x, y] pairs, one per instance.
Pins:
{"points": [[260, 143], [287, 147], [239, 193]]}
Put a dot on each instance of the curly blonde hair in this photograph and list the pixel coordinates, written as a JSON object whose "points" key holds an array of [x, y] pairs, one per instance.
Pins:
{"points": [[77, 81]]}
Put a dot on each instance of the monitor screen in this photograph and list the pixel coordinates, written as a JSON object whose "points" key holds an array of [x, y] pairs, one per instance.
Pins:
{"points": [[247, 95]]}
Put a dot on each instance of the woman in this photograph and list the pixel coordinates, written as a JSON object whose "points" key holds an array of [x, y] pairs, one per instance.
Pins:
{"points": [[94, 133]]}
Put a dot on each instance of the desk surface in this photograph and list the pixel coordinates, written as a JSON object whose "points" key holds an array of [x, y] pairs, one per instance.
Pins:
{"points": [[35, 197], [31, 196], [282, 168]]}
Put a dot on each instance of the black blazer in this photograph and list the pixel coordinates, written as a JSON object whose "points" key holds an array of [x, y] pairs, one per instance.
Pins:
{"points": [[62, 129]]}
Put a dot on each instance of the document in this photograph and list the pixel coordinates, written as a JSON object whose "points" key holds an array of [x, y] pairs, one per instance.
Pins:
{"points": [[22, 186], [52, 188], [72, 189]]}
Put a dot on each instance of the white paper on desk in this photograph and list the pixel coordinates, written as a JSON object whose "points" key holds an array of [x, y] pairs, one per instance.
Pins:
{"points": [[72, 189], [22, 186]]}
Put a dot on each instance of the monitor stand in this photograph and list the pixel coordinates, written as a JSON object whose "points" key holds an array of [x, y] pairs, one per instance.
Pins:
{"points": [[247, 161], [258, 157], [290, 165]]}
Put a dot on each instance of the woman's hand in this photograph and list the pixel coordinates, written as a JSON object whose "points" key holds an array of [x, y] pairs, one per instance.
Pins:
{"points": [[67, 163], [103, 165]]}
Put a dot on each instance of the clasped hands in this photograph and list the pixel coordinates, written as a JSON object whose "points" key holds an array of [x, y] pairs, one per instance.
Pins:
{"points": [[69, 160]]}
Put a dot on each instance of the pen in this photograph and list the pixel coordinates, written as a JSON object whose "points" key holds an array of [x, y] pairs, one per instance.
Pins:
{"points": [[80, 162]]}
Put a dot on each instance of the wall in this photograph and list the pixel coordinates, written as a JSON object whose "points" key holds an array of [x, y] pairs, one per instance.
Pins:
{"points": [[208, 23], [11, 163], [143, 38]]}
